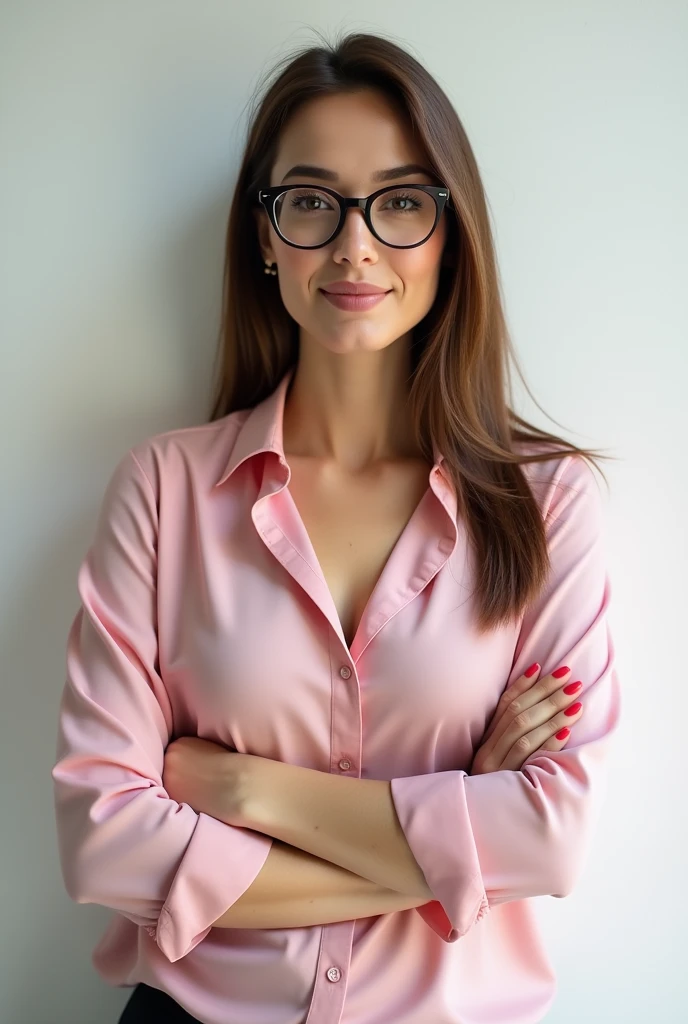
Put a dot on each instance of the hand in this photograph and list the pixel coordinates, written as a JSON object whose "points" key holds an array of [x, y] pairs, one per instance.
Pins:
{"points": [[528, 715], [208, 777]]}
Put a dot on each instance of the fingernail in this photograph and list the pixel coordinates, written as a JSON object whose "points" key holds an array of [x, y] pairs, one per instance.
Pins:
{"points": [[561, 671], [572, 688], [532, 670], [563, 733], [574, 709]]}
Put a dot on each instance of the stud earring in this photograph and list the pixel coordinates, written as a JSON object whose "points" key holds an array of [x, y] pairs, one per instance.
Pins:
{"points": [[269, 268]]}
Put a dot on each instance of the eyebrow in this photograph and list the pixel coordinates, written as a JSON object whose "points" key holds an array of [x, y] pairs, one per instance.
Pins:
{"points": [[310, 171]]}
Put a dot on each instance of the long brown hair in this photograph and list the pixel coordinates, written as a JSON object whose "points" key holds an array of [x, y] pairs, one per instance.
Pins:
{"points": [[460, 350]]}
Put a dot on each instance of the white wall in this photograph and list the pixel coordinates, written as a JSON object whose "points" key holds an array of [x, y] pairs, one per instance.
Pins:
{"points": [[121, 125]]}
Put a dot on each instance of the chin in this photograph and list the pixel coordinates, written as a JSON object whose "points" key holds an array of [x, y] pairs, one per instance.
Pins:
{"points": [[353, 340]]}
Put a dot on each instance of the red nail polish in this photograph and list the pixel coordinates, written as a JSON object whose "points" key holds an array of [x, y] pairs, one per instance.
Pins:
{"points": [[572, 688], [562, 734], [561, 671], [574, 709], [532, 670]]}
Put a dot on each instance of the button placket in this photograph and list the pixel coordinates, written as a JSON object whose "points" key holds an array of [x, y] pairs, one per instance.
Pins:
{"points": [[344, 764]]}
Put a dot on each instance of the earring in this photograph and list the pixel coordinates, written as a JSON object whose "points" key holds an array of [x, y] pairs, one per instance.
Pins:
{"points": [[269, 268]]}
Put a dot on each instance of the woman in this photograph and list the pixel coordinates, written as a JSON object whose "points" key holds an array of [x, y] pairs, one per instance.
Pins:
{"points": [[341, 687]]}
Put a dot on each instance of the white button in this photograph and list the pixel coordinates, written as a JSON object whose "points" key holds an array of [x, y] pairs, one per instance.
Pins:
{"points": [[333, 974], [345, 671], [344, 765]]}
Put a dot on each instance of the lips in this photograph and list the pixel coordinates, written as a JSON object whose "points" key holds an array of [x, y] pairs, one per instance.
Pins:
{"points": [[349, 288], [354, 302]]}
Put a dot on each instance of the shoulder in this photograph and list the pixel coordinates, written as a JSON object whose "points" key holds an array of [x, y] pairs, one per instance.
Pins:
{"points": [[170, 458], [561, 481]]}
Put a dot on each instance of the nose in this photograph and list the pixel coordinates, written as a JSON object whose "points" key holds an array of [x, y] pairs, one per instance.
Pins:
{"points": [[355, 240]]}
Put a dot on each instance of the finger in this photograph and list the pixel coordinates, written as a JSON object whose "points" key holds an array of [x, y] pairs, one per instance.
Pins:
{"points": [[561, 734], [558, 740], [518, 687], [535, 705], [517, 724], [543, 737]]}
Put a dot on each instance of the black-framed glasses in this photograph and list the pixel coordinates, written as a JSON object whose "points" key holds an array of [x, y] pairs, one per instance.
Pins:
{"points": [[309, 216]]}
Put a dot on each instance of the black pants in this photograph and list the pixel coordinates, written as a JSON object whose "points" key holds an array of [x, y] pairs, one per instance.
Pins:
{"points": [[151, 1006]]}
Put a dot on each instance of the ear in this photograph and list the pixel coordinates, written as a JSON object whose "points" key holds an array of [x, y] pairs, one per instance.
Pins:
{"points": [[263, 226]]}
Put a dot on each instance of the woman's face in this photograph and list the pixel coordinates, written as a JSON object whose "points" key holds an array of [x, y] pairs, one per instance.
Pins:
{"points": [[353, 136]]}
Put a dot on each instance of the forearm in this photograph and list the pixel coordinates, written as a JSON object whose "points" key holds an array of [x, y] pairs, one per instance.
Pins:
{"points": [[349, 822], [296, 889]]}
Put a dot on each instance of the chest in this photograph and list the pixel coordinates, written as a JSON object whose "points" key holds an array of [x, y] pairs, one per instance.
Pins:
{"points": [[354, 524]]}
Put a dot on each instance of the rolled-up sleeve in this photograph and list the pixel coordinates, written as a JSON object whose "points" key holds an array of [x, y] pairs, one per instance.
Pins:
{"points": [[507, 835], [123, 842]]}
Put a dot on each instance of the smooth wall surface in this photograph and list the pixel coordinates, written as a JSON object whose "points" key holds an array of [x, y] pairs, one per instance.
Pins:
{"points": [[121, 129]]}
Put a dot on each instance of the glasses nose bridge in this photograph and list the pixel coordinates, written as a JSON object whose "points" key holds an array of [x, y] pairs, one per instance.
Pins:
{"points": [[355, 204], [352, 204]]}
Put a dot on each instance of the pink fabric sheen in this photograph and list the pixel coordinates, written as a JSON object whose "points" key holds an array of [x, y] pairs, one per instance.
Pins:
{"points": [[204, 612]]}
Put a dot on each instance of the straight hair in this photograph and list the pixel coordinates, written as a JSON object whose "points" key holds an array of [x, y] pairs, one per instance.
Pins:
{"points": [[460, 394]]}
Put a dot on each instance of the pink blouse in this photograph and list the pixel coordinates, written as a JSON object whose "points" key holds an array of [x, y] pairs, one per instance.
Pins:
{"points": [[204, 612]]}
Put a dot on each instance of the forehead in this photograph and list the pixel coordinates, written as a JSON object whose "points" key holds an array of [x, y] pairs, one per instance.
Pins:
{"points": [[352, 134]]}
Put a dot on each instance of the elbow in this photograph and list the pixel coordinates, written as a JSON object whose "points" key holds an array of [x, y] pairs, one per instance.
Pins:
{"points": [[99, 871], [566, 878], [74, 887], [111, 845], [88, 873], [74, 867], [83, 878], [89, 882], [566, 857], [80, 880], [566, 827], [561, 885]]}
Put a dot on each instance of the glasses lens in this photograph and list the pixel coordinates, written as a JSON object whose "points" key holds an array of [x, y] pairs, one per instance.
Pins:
{"points": [[404, 216], [307, 216]]}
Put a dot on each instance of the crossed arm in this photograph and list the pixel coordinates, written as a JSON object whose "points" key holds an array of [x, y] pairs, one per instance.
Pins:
{"points": [[294, 889], [339, 852], [532, 828]]}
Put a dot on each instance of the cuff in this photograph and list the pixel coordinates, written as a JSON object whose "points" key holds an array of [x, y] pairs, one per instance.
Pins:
{"points": [[433, 814], [219, 864]]}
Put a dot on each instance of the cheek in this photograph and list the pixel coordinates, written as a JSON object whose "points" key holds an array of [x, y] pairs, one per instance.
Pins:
{"points": [[418, 269], [298, 272]]}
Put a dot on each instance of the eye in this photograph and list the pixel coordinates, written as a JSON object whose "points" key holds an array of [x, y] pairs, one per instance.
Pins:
{"points": [[407, 197], [296, 200]]}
